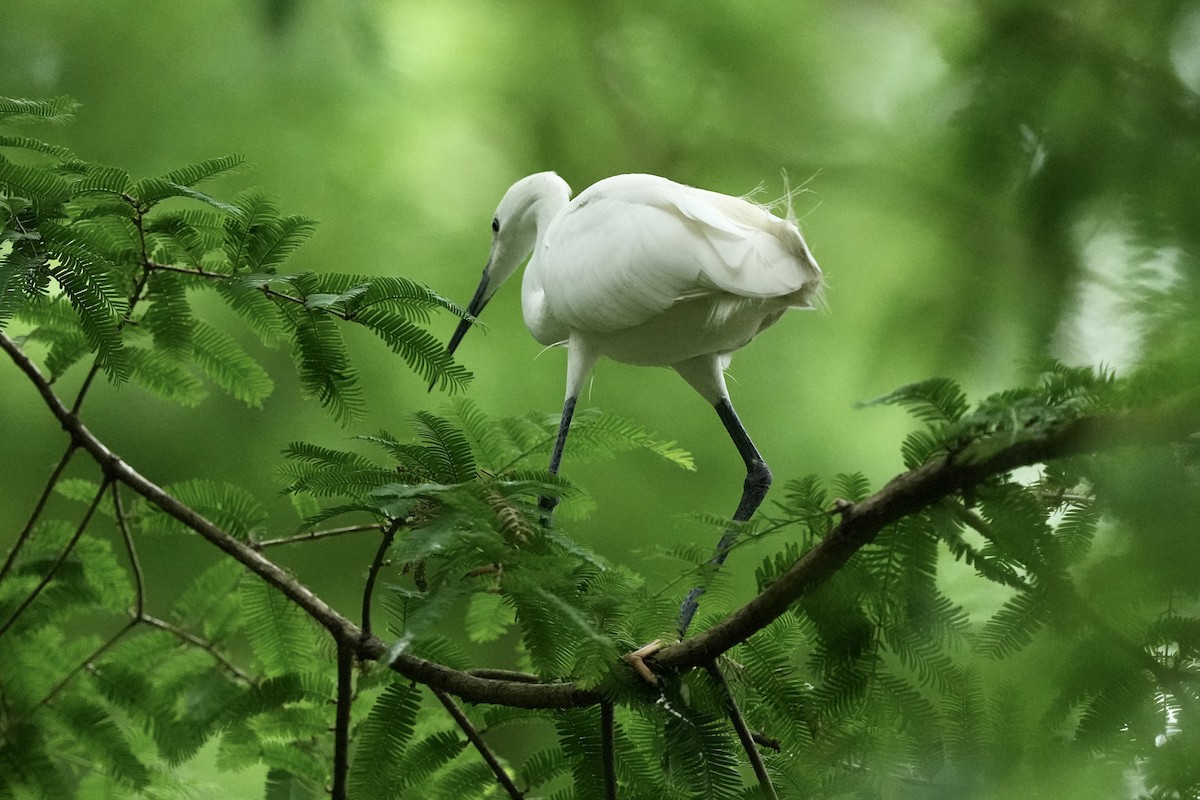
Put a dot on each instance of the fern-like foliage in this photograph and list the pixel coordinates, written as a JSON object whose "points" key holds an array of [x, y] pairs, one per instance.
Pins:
{"points": [[127, 262], [973, 641]]}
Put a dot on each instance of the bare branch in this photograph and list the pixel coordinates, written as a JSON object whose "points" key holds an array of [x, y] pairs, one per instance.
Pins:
{"points": [[314, 535], [476, 739], [341, 725], [190, 638], [504, 675], [373, 573], [608, 749], [62, 557], [918, 489], [743, 732], [139, 580], [38, 508], [95, 654]]}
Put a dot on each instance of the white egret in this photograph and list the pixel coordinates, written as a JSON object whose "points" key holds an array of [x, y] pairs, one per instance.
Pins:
{"points": [[647, 271]]}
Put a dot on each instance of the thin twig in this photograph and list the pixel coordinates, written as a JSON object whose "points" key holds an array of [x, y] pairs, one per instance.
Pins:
{"points": [[608, 749], [70, 676], [266, 290], [743, 731], [475, 738], [762, 740], [196, 271], [373, 573], [313, 535], [190, 638], [62, 557], [139, 579], [38, 508], [341, 725]]}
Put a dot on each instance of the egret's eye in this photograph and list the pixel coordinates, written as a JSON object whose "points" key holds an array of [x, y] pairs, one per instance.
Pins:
{"points": [[495, 225]]}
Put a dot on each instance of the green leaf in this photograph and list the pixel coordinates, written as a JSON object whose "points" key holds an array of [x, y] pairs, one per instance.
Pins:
{"points": [[324, 364], [229, 366], [488, 617], [420, 350], [90, 290], [58, 110], [102, 178], [26, 143], [324, 472], [382, 739], [44, 189], [169, 317], [282, 636], [203, 170], [446, 443], [164, 376], [936, 400]]}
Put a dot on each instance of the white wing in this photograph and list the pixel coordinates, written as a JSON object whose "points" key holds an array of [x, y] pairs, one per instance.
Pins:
{"points": [[632, 246]]}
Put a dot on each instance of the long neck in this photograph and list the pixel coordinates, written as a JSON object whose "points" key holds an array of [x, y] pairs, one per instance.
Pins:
{"points": [[533, 298], [547, 208]]}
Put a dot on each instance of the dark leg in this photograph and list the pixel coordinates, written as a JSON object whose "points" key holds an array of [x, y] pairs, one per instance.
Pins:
{"points": [[758, 481], [547, 504]]}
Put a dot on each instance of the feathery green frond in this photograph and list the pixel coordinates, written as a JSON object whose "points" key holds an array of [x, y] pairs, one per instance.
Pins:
{"points": [[36, 145], [455, 460], [937, 400], [229, 366], [203, 170], [86, 283], [283, 637], [324, 364], [382, 739], [420, 350], [58, 110], [164, 376]]}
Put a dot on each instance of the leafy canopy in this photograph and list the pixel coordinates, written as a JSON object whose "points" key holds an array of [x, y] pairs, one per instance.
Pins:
{"points": [[879, 682]]}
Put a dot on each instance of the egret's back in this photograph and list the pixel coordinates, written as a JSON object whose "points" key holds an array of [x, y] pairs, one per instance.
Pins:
{"points": [[631, 250]]}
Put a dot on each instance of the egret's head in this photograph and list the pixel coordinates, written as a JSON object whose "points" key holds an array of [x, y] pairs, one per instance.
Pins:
{"points": [[529, 204]]}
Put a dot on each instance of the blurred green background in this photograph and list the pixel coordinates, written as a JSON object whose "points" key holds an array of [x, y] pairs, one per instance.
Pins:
{"points": [[985, 183]]}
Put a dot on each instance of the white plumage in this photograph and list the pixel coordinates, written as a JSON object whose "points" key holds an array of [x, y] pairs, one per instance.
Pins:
{"points": [[643, 270]]}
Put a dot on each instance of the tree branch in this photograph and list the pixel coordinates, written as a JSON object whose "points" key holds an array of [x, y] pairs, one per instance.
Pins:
{"points": [[918, 489], [608, 749], [476, 738], [314, 535], [341, 724], [38, 508], [62, 557], [743, 732], [471, 688], [139, 580], [190, 638], [373, 573], [906, 494]]}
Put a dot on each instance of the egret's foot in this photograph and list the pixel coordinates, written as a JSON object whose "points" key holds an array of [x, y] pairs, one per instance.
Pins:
{"points": [[637, 660]]}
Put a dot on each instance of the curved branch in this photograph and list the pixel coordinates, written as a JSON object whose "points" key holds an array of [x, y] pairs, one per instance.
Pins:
{"points": [[469, 687], [906, 494], [476, 739], [918, 489], [62, 558]]}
